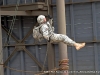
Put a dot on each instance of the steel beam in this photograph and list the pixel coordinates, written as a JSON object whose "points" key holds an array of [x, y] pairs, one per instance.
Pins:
{"points": [[38, 12], [28, 34], [23, 13], [5, 29], [26, 44], [51, 57], [7, 48], [14, 51], [1, 51], [33, 58], [94, 22], [19, 13], [24, 7], [8, 64], [21, 52], [37, 55], [62, 30]]}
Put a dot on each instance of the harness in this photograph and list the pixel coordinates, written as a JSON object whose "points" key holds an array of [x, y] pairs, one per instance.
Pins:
{"points": [[50, 31]]}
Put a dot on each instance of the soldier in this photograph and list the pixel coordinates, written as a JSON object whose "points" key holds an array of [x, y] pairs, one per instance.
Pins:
{"points": [[47, 32]]}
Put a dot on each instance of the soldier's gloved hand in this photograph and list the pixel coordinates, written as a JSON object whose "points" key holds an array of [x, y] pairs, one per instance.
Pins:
{"points": [[53, 28], [49, 17], [51, 21]]}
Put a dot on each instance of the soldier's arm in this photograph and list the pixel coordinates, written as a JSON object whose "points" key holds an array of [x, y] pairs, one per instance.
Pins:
{"points": [[45, 32], [52, 28], [51, 21]]}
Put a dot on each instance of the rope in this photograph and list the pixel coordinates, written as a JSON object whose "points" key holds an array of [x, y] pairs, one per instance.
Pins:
{"points": [[13, 21], [10, 30], [36, 73], [9, 35], [45, 57], [47, 44], [19, 70], [48, 7]]}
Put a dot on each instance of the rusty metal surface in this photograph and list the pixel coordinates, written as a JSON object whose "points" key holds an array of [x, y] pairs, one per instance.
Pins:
{"points": [[1, 52], [34, 6], [24, 13], [26, 44], [51, 57], [17, 48], [61, 21], [50, 47], [33, 9], [14, 51], [24, 7], [33, 58], [20, 45]]}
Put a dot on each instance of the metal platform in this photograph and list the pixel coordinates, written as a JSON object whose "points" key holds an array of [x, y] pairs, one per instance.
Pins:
{"points": [[33, 9]]}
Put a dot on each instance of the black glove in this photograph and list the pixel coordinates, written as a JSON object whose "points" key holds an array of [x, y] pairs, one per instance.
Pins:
{"points": [[49, 17]]}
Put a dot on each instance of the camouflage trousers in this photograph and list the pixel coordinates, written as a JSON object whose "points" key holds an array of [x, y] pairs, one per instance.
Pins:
{"points": [[61, 38]]}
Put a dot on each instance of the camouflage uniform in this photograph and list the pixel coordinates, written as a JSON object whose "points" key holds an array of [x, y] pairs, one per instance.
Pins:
{"points": [[48, 34]]}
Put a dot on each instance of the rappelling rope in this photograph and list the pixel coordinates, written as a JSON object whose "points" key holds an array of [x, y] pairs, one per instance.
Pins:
{"points": [[11, 27], [10, 31], [47, 44], [9, 35], [32, 72]]}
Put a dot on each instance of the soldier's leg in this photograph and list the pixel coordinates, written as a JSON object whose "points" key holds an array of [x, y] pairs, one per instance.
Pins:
{"points": [[66, 40], [79, 45]]}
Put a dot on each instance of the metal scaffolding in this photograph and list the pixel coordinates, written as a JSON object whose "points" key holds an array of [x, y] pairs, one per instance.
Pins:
{"points": [[36, 9], [62, 30]]}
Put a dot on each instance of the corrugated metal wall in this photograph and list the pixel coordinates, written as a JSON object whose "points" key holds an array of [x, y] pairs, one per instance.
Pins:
{"points": [[12, 2], [82, 22], [21, 60]]}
